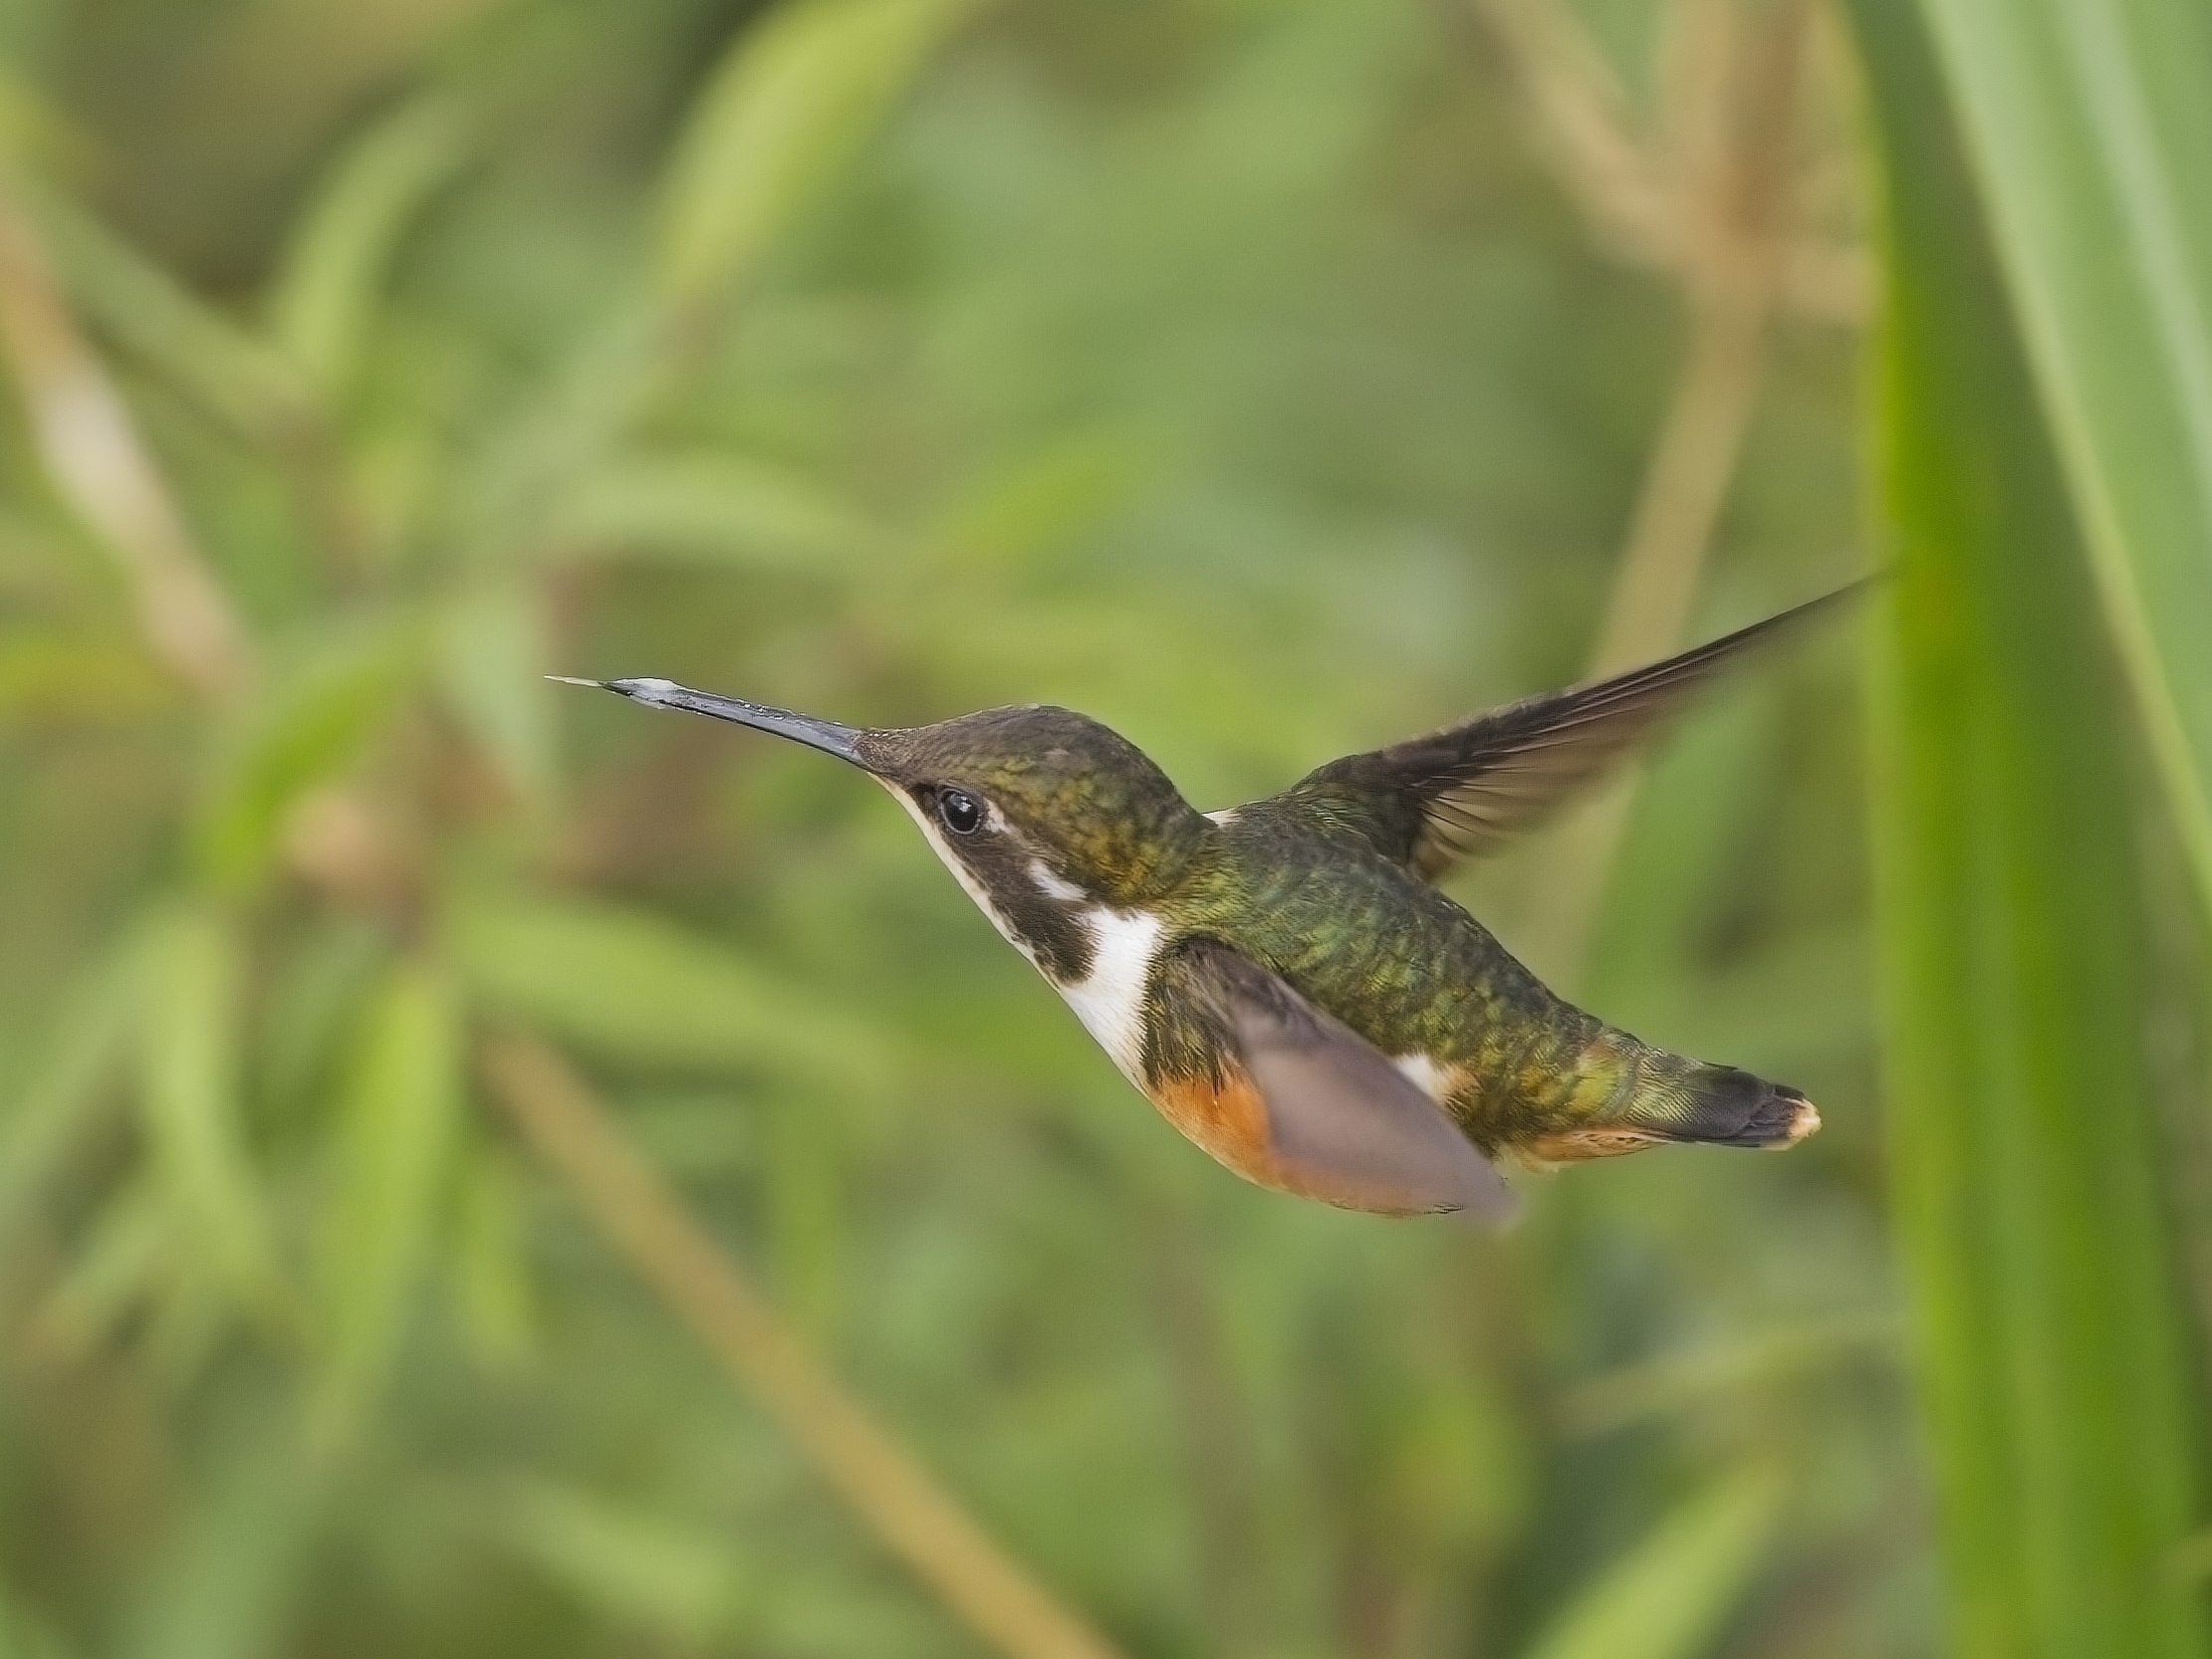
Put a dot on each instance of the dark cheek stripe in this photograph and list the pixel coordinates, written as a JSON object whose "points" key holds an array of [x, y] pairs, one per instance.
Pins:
{"points": [[1049, 928]]}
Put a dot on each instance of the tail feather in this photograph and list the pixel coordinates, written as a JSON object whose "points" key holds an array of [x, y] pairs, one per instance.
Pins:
{"points": [[1720, 1105], [1647, 1096]]}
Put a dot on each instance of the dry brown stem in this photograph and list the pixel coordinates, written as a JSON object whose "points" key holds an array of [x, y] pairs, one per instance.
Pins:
{"points": [[91, 451], [1728, 131], [892, 1493], [1582, 118], [1649, 198]]}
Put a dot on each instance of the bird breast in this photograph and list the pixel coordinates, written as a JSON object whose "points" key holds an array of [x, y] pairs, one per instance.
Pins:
{"points": [[1110, 999]]}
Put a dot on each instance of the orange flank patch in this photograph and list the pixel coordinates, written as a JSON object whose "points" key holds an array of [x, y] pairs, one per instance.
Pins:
{"points": [[1227, 1121]]}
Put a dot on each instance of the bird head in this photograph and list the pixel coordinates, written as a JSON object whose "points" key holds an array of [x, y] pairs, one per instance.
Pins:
{"points": [[1042, 814]]}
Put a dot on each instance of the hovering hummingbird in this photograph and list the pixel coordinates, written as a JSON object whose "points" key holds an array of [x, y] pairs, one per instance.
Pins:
{"points": [[1283, 979]]}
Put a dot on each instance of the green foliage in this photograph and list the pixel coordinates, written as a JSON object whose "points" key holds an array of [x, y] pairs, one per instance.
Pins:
{"points": [[638, 1570], [396, 1127], [637, 989], [1668, 1597], [2017, 948], [326, 294], [2092, 142], [194, 1116], [784, 112], [1230, 370]]}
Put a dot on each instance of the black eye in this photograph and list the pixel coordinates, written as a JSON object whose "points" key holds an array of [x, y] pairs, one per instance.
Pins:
{"points": [[959, 812]]}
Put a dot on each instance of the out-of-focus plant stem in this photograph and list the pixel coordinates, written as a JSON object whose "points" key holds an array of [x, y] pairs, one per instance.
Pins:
{"points": [[1220, 1481], [98, 463], [1722, 226], [885, 1486], [1655, 589], [1582, 115]]}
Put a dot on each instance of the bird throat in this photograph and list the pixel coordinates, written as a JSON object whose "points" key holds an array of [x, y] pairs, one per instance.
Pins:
{"points": [[1099, 958]]}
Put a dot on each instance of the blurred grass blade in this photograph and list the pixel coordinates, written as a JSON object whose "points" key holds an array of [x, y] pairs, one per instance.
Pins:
{"points": [[89, 444], [136, 303], [493, 1291], [304, 728], [675, 1581], [1723, 1372], [232, 1568], [886, 1487], [1668, 1597], [2090, 130], [796, 95], [713, 509], [195, 1119], [334, 267], [492, 664], [633, 987], [2012, 942], [88, 1047], [392, 1140], [127, 1253]]}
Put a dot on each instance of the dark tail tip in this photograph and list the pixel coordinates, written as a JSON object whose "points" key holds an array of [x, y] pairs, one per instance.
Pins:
{"points": [[1786, 1120], [1728, 1107]]}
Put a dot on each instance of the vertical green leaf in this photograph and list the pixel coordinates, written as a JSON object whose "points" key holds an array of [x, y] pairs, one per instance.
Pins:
{"points": [[326, 288], [794, 99], [393, 1143], [491, 658], [88, 1047], [1668, 1597], [193, 1118], [494, 1294], [2090, 129], [2012, 942]]}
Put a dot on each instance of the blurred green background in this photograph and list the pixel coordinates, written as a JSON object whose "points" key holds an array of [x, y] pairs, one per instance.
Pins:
{"points": [[1268, 378]]}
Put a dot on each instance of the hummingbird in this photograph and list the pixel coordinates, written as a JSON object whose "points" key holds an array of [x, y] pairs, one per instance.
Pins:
{"points": [[1284, 979]]}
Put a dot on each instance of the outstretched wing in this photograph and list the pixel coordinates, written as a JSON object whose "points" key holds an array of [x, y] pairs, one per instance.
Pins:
{"points": [[1294, 1099], [1433, 800]]}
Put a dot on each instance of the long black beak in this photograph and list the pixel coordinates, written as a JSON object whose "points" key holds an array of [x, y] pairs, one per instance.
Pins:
{"points": [[825, 735]]}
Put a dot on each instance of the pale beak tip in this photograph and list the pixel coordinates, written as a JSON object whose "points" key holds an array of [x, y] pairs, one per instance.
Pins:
{"points": [[653, 693], [567, 679]]}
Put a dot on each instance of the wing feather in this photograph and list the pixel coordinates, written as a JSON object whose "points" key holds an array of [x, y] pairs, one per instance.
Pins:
{"points": [[1462, 792]]}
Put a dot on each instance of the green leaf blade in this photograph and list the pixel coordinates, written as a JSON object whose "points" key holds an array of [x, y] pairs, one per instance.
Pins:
{"points": [[633, 987], [191, 1109], [793, 99], [326, 292], [1669, 1595], [2014, 941], [394, 1145], [2091, 141]]}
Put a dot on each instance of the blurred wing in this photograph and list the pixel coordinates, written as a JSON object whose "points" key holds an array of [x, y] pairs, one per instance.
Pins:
{"points": [[1460, 793], [1296, 1100]]}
